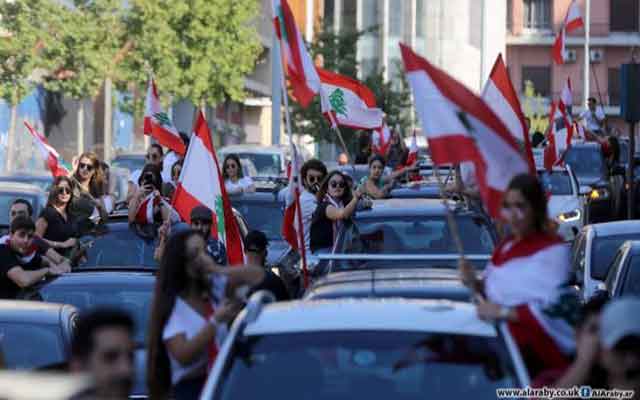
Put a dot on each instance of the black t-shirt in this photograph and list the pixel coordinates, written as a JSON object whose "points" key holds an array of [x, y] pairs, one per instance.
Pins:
{"points": [[274, 284], [321, 228], [8, 260], [58, 229]]}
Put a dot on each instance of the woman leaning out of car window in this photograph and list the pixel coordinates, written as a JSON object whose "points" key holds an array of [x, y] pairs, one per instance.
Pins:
{"points": [[234, 181], [336, 203], [376, 185], [55, 224], [88, 207]]}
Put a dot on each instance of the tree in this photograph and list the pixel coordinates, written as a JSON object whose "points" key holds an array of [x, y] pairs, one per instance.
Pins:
{"points": [[25, 27], [198, 50], [337, 52]]}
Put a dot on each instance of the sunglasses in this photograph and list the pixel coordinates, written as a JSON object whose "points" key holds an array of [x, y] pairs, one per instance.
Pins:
{"points": [[313, 179], [64, 190], [336, 184], [88, 167]]}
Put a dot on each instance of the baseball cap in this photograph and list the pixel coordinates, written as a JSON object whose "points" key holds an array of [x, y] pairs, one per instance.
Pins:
{"points": [[256, 241], [618, 320], [201, 213]]}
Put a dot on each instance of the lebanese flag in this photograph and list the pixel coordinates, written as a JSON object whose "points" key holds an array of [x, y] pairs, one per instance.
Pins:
{"points": [[201, 183], [48, 152], [572, 21], [381, 139], [157, 123], [529, 275], [351, 103], [292, 228], [299, 67], [144, 215], [413, 151], [559, 136], [500, 95], [566, 96], [461, 127]]}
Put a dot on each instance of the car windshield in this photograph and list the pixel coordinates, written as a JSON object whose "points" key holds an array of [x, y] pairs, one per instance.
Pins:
{"points": [[374, 364], [135, 299], [5, 203], [31, 346], [265, 217], [585, 161], [265, 164], [557, 183], [604, 250], [119, 248], [131, 164]]}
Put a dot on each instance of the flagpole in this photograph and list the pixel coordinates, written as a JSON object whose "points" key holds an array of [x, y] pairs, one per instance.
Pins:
{"points": [[587, 56]]}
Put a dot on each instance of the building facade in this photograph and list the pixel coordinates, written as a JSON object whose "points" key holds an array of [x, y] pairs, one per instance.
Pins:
{"points": [[614, 32]]}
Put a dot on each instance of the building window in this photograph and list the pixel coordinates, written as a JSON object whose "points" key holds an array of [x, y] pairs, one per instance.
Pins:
{"points": [[624, 15], [614, 86], [540, 77], [537, 14]]}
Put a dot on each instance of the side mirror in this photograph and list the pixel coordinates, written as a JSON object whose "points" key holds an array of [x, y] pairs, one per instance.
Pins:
{"points": [[585, 190]]}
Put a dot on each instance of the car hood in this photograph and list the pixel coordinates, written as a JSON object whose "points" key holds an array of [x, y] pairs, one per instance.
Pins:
{"points": [[277, 249], [561, 204]]}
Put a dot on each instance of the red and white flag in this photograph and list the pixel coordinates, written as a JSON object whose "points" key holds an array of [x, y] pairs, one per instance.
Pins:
{"points": [[500, 95], [144, 215], [566, 96], [572, 21], [351, 103], [49, 153], [413, 150], [300, 70], [460, 127], [381, 139], [559, 136], [157, 123], [201, 183], [292, 228]]}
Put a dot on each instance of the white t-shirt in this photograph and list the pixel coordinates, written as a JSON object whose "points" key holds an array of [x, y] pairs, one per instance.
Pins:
{"points": [[308, 205], [593, 120], [243, 183], [185, 320]]}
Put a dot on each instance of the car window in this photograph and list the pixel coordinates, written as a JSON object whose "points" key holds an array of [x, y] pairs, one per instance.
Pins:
{"points": [[5, 203], [577, 262], [30, 346], [557, 183], [375, 365], [631, 282], [613, 270], [603, 250], [585, 161], [265, 164], [121, 248], [135, 300], [265, 217]]}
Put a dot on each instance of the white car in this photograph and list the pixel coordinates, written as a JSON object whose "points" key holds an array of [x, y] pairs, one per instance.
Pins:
{"points": [[364, 349], [566, 203], [270, 161]]}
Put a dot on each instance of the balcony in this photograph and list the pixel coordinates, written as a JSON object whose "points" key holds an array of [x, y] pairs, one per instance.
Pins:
{"points": [[600, 36]]}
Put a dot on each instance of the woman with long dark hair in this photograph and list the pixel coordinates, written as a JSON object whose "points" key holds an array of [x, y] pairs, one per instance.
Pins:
{"points": [[184, 329], [523, 283], [336, 203], [88, 189], [55, 224], [377, 185], [234, 180]]}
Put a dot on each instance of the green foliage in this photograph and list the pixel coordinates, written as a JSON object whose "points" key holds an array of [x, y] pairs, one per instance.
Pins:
{"points": [[533, 107], [338, 53]]}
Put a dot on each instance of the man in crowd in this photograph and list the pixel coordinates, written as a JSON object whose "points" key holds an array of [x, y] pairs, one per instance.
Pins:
{"points": [[20, 266], [103, 347], [255, 246], [593, 117], [313, 173], [154, 156]]}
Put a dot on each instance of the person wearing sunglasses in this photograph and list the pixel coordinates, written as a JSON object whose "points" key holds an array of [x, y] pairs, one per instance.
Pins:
{"points": [[336, 203], [234, 180], [55, 224], [155, 156], [88, 190], [312, 174]]}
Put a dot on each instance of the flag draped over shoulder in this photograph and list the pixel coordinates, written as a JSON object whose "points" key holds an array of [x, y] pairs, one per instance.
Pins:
{"points": [[572, 21], [300, 70], [351, 103], [157, 123], [201, 183], [501, 96], [460, 127], [49, 153]]}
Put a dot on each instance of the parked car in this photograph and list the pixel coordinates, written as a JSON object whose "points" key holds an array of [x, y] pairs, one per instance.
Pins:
{"points": [[566, 204], [9, 191], [623, 277], [588, 164], [411, 283], [42, 180], [268, 160], [377, 349], [130, 290], [129, 161], [594, 249], [408, 233], [35, 335]]}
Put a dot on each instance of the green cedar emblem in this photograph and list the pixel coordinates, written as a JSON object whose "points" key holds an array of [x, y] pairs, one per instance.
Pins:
{"points": [[337, 102], [162, 118]]}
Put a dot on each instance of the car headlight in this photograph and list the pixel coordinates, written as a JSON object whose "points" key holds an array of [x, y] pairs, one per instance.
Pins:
{"points": [[570, 216], [599, 194]]}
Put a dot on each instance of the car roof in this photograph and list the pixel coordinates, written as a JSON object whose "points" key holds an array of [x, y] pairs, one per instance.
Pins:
{"points": [[404, 207], [634, 246], [590, 145], [392, 314], [32, 175], [80, 277], [19, 187], [129, 155], [616, 228], [257, 197], [31, 311]]}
